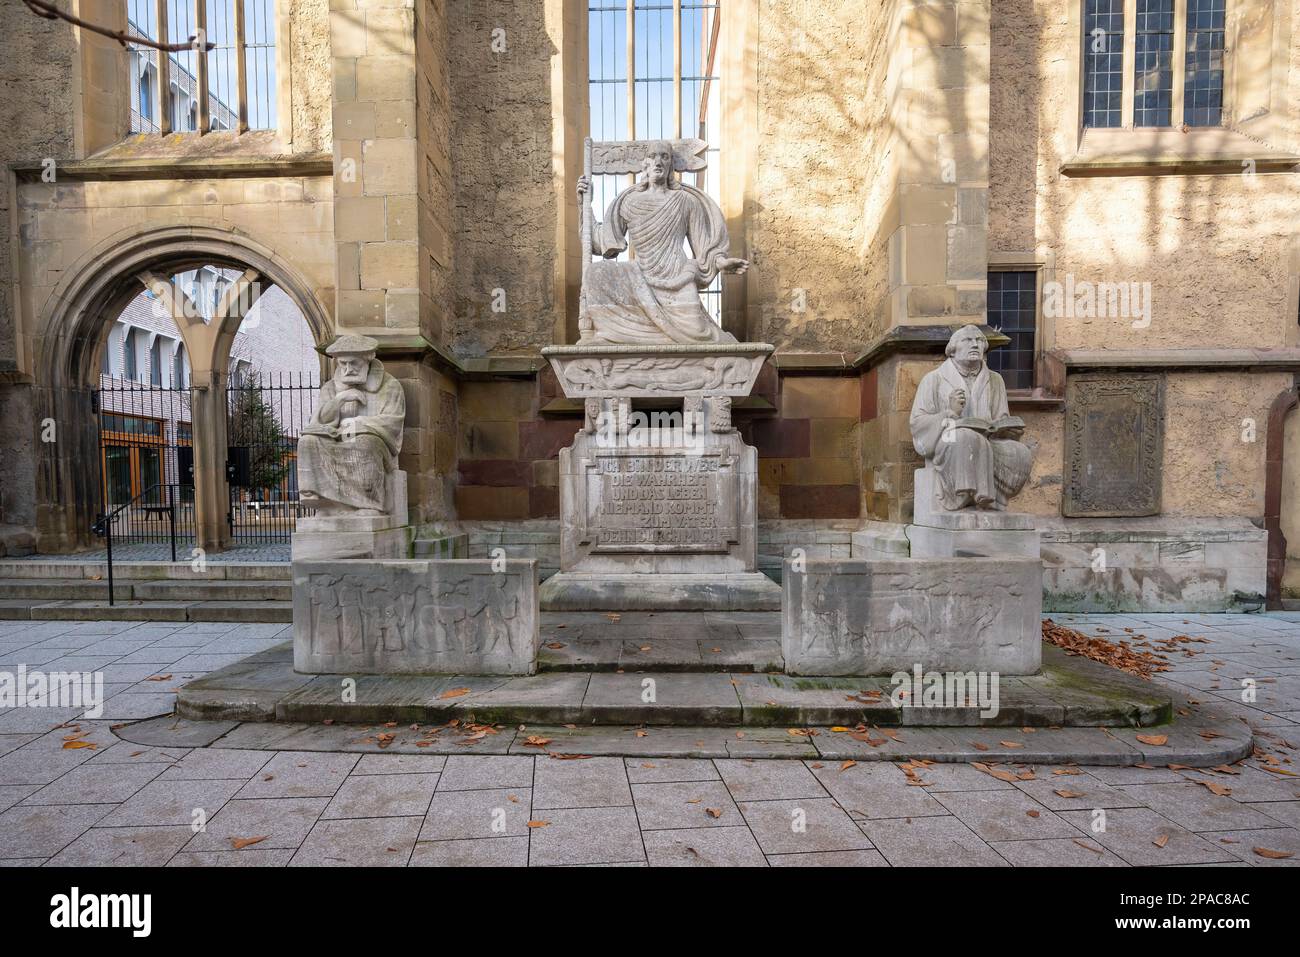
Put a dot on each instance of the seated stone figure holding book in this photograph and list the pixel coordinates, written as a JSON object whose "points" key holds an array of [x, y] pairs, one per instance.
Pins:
{"points": [[961, 426]]}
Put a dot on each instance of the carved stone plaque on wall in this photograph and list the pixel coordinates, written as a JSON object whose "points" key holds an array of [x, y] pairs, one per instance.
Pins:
{"points": [[1114, 444]]}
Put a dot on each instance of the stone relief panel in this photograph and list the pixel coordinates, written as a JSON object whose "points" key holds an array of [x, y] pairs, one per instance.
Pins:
{"points": [[452, 616], [658, 375], [877, 617], [1114, 444]]}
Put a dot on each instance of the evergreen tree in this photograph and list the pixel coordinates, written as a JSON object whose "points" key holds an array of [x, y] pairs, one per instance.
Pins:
{"points": [[254, 426]]}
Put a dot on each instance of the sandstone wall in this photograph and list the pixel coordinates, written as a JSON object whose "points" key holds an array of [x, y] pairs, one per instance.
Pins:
{"points": [[503, 297], [36, 113], [311, 84], [822, 125], [1218, 249]]}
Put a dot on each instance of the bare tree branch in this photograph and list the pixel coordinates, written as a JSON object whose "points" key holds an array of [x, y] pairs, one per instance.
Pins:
{"points": [[49, 11]]}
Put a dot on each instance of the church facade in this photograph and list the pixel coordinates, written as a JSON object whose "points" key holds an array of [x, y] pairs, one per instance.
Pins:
{"points": [[1109, 187]]}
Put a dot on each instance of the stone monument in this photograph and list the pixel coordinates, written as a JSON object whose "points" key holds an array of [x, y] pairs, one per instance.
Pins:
{"points": [[361, 605], [347, 462], [974, 460], [969, 596], [658, 491]]}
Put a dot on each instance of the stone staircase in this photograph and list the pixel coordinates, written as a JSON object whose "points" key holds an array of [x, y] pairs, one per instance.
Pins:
{"points": [[145, 591]]}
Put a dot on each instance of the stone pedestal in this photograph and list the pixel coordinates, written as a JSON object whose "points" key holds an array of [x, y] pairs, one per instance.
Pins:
{"points": [[658, 505], [969, 533], [343, 536], [878, 617], [459, 616]]}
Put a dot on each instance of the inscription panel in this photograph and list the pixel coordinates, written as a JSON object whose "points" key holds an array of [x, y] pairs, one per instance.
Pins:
{"points": [[1114, 444], [660, 501]]}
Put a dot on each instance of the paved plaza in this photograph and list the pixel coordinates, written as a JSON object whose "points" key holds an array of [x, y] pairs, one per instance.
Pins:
{"points": [[73, 791]]}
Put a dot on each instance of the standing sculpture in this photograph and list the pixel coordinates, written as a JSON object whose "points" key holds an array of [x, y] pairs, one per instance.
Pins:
{"points": [[655, 297], [346, 452], [962, 428]]}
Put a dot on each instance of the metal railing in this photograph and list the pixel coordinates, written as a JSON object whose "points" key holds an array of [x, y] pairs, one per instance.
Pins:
{"points": [[104, 523]]}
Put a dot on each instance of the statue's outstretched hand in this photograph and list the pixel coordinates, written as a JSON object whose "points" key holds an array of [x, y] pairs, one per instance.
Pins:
{"points": [[584, 184], [737, 266]]}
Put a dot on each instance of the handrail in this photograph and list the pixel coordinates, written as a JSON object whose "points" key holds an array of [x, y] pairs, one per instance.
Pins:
{"points": [[103, 526]]}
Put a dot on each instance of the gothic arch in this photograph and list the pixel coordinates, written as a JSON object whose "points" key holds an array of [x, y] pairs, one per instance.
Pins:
{"points": [[77, 316], [70, 334]]}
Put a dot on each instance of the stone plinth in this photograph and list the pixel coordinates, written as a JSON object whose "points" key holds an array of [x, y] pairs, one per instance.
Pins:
{"points": [[458, 616], [968, 533], [658, 509], [879, 617], [345, 535]]}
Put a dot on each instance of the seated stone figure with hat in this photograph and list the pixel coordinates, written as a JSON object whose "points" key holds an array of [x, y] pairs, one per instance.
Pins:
{"points": [[350, 446]]}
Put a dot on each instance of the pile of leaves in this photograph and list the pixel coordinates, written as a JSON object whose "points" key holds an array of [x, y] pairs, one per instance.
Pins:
{"points": [[1117, 654]]}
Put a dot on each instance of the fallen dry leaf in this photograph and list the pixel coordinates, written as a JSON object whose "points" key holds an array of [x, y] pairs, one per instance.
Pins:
{"points": [[998, 773], [1216, 788], [71, 745], [1155, 740], [848, 764], [239, 843], [1062, 792], [1161, 841], [539, 823], [454, 693], [1273, 855]]}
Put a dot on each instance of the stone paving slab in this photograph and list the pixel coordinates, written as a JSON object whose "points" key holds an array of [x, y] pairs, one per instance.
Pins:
{"points": [[628, 795]]}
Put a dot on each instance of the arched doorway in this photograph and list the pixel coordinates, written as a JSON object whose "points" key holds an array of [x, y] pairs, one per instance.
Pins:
{"points": [[198, 288], [145, 401]]}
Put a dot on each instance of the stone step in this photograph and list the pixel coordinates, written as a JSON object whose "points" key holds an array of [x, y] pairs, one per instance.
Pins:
{"points": [[741, 641], [83, 589], [1207, 739], [1070, 692], [95, 570], [62, 589], [27, 609], [667, 655]]}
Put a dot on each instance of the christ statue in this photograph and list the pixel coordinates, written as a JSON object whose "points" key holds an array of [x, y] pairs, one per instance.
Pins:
{"points": [[654, 298]]}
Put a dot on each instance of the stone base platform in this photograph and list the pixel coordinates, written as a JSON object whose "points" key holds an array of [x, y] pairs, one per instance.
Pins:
{"points": [[1228, 740], [1070, 692], [740, 591]]}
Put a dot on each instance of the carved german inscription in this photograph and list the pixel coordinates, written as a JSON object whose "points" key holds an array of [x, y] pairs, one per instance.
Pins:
{"points": [[660, 502]]}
